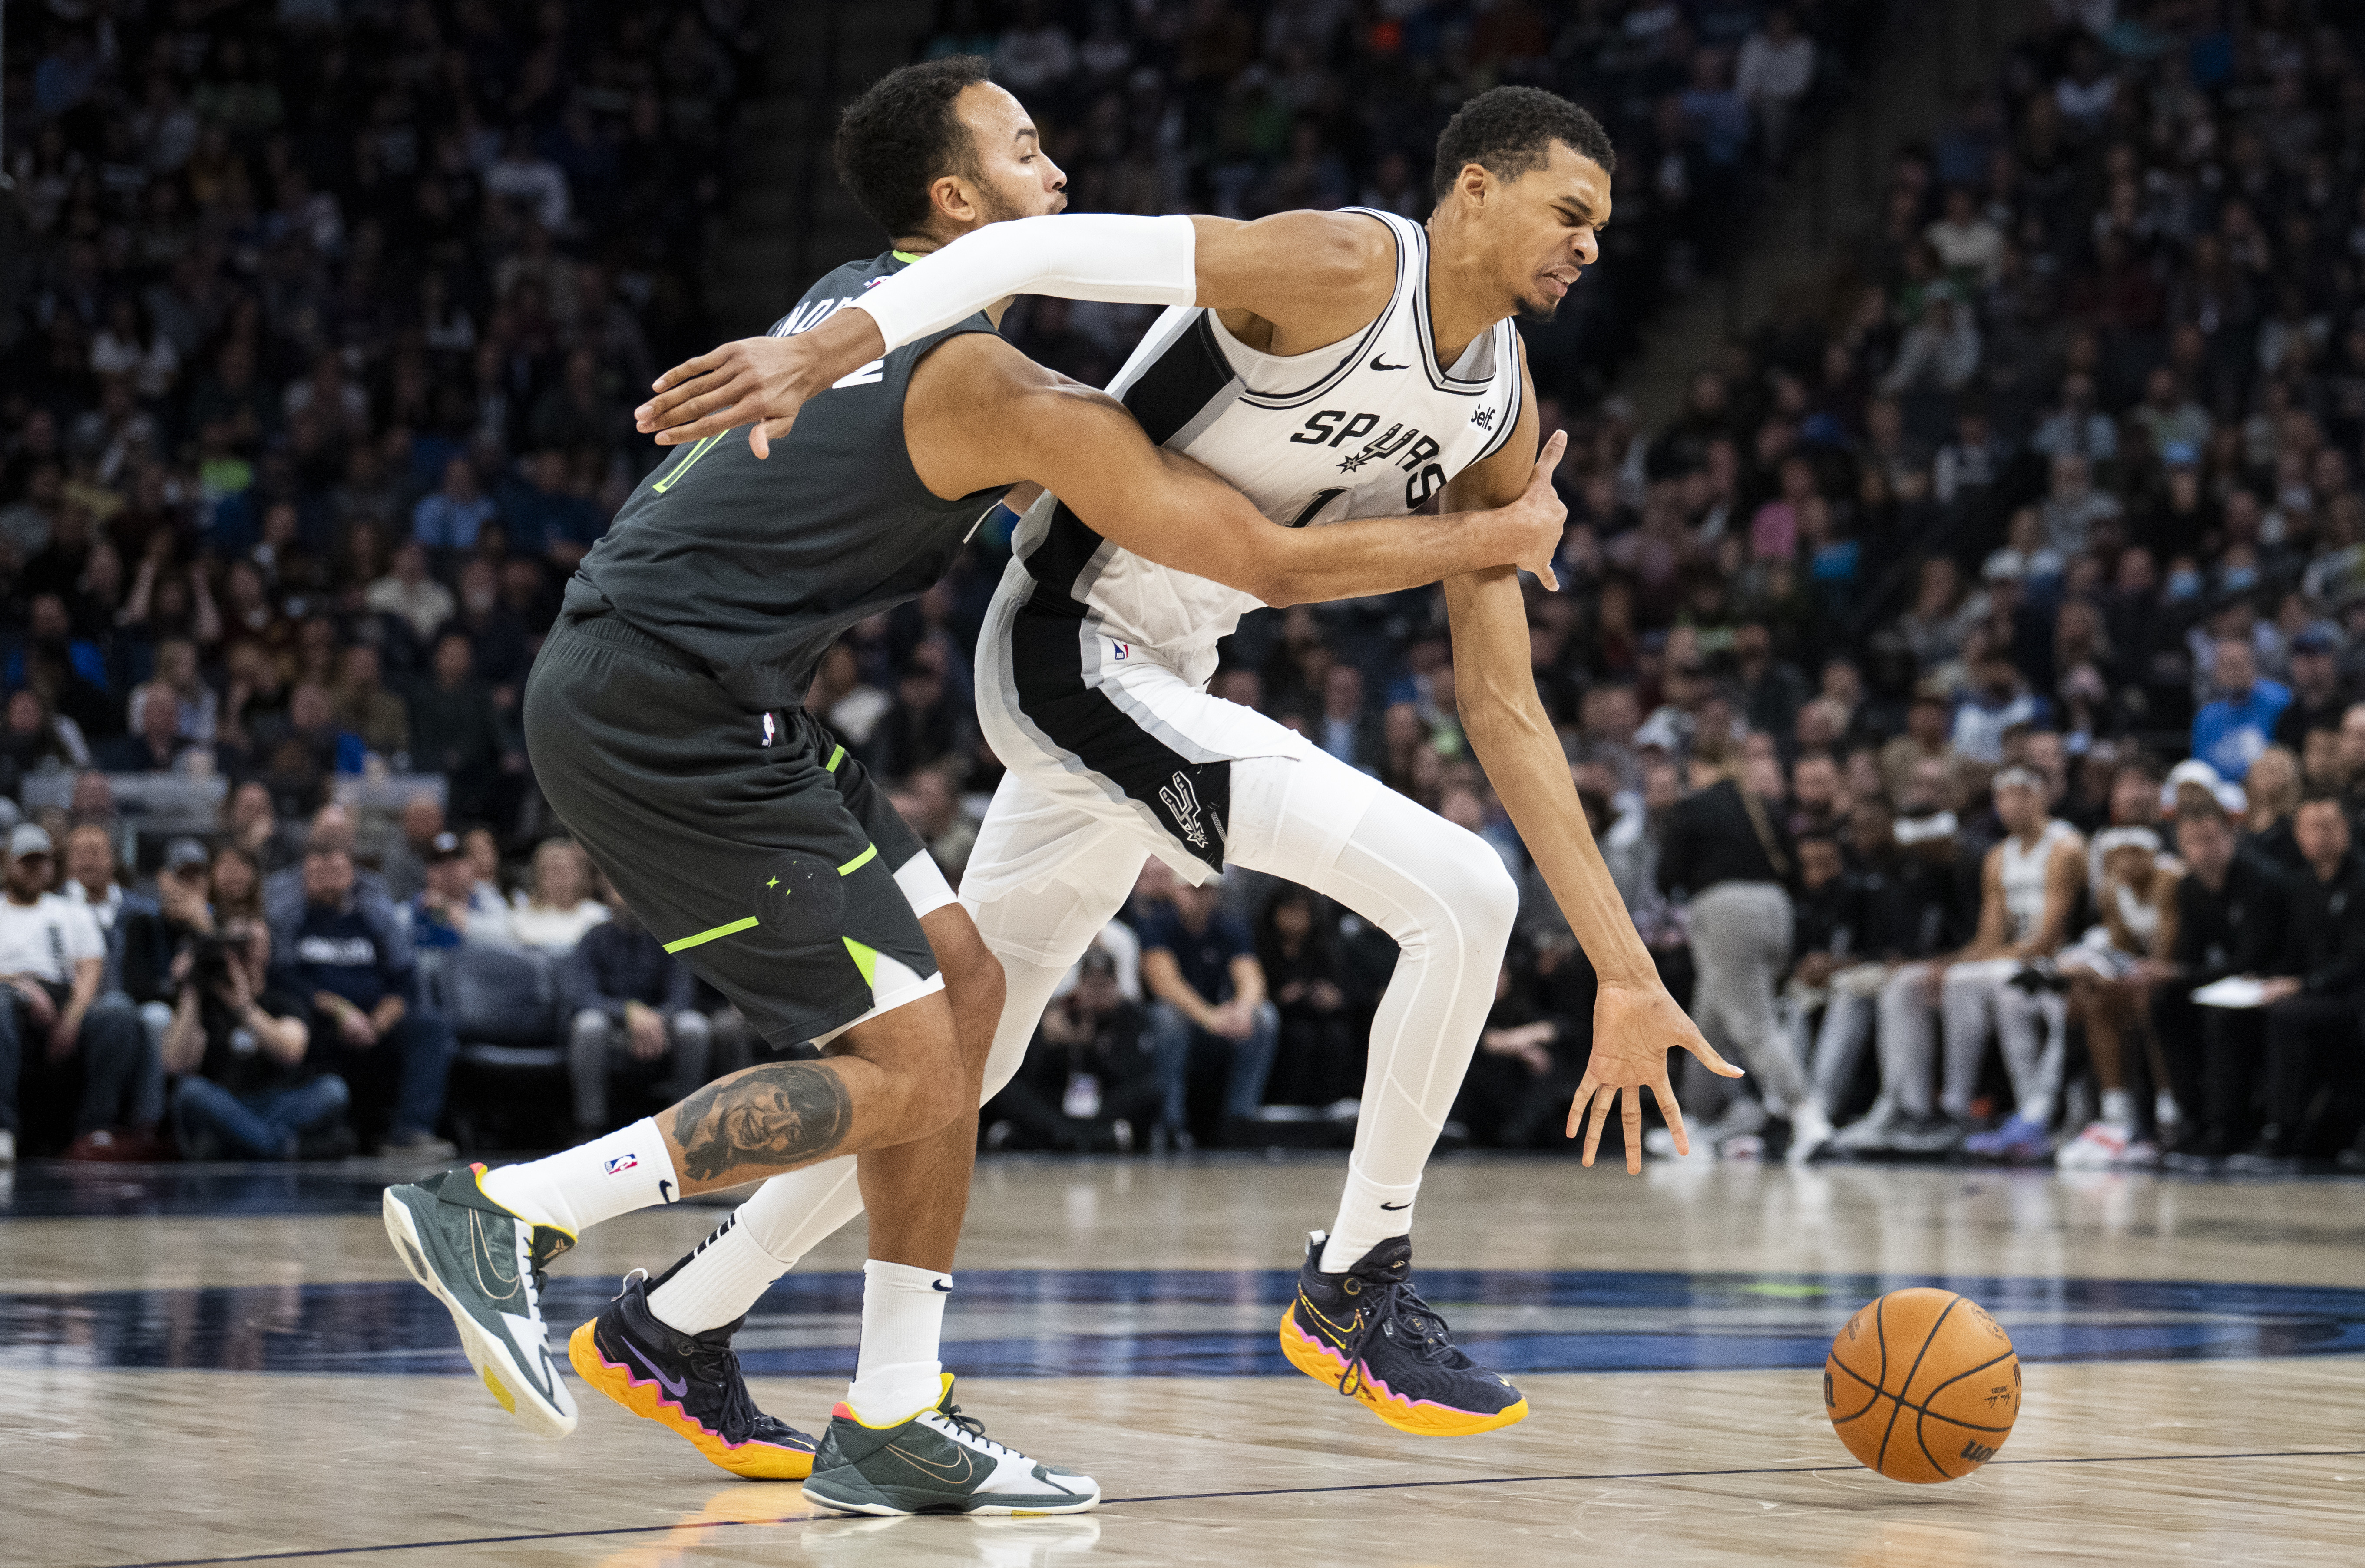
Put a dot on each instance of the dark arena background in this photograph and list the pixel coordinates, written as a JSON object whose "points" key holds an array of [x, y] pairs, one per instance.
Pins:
{"points": [[1968, 408]]}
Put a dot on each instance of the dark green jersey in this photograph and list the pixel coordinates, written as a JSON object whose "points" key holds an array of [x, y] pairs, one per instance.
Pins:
{"points": [[755, 568]]}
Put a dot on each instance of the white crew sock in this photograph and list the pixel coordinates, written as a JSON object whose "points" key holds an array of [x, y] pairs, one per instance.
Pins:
{"points": [[780, 1222], [2119, 1108], [1369, 1213], [574, 1190], [898, 1374]]}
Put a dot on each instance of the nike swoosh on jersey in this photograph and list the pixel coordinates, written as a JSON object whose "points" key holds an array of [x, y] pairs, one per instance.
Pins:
{"points": [[1379, 364]]}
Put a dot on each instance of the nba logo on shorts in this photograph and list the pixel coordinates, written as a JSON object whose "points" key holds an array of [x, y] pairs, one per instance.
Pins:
{"points": [[624, 1162], [1124, 651], [768, 730]]}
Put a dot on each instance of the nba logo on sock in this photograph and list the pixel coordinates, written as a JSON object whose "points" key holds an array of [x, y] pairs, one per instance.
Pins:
{"points": [[624, 1162]]}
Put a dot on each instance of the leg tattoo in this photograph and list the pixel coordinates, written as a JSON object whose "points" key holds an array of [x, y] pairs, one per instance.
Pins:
{"points": [[786, 1113]]}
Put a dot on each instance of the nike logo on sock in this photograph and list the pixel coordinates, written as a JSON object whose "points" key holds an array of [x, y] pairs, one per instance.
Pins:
{"points": [[1394, 1207], [664, 1190], [943, 1285]]}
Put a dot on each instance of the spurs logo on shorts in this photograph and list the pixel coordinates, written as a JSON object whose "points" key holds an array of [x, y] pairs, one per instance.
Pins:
{"points": [[1182, 805]]}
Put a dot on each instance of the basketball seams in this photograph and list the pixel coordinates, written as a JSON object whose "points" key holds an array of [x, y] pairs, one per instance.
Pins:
{"points": [[1857, 1413], [1936, 1323]]}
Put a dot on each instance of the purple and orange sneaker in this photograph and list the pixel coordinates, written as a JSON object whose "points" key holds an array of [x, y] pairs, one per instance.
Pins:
{"points": [[689, 1383], [1367, 1333]]}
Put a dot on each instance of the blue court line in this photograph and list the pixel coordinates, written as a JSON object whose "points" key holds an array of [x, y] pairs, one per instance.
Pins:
{"points": [[1209, 1323], [1219, 1496]]}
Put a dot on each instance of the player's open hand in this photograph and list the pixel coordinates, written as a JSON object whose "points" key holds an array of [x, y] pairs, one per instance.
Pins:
{"points": [[1540, 513], [1634, 1027], [760, 382]]}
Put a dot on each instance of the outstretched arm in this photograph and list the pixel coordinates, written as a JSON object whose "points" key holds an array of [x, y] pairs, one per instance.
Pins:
{"points": [[1635, 1022], [1325, 273], [980, 414]]}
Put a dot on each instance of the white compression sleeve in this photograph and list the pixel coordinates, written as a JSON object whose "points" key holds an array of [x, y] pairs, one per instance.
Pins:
{"points": [[1084, 256]]}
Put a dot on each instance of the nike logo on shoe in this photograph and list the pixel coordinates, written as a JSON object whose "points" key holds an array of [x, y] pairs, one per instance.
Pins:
{"points": [[1379, 364], [674, 1386]]}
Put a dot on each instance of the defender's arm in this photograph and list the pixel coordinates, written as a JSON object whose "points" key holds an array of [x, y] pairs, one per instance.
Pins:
{"points": [[979, 413], [1636, 1023], [1325, 273]]}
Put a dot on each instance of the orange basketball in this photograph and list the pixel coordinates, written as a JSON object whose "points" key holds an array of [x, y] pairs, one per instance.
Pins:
{"points": [[1923, 1385]]}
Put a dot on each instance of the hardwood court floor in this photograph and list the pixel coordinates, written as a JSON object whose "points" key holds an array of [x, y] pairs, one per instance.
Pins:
{"points": [[191, 1385]]}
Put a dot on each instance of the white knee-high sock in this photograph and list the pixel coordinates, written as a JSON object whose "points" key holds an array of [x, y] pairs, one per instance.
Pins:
{"points": [[577, 1188], [1967, 1003], [779, 1223], [1445, 898], [899, 1373], [2031, 1030]]}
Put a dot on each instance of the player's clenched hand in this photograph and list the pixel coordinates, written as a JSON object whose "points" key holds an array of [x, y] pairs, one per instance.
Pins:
{"points": [[1634, 1027], [760, 382], [1540, 512]]}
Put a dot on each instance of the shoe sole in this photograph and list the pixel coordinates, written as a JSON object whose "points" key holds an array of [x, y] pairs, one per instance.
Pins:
{"points": [[1422, 1418], [645, 1399], [858, 1497], [487, 1354]]}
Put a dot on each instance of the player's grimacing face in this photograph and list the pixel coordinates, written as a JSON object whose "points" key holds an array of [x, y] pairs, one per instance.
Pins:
{"points": [[1015, 178], [1544, 229]]}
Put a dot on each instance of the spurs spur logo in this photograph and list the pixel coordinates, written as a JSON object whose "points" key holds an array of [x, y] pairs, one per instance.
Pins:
{"points": [[1182, 805]]}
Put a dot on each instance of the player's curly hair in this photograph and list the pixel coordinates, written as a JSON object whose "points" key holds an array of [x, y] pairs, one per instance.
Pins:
{"points": [[1509, 131], [902, 135]]}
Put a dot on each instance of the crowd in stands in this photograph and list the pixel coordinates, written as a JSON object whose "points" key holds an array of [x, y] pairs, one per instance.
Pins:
{"points": [[1993, 624], [1188, 106]]}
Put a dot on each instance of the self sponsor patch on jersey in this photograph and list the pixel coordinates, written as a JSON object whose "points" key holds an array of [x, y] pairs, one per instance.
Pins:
{"points": [[622, 1163]]}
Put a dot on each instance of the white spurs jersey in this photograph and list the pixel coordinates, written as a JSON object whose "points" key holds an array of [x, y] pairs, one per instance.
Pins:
{"points": [[1372, 427]]}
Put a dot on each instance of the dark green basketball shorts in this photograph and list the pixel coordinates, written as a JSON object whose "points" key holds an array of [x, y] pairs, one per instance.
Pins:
{"points": [[748, 842]]}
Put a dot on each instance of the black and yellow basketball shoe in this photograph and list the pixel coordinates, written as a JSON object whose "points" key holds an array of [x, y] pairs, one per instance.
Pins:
{"points": [[689, 1383], [1367, 1333]]}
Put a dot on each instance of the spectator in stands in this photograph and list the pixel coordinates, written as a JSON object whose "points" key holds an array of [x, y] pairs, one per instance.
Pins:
{"points": [[35, 739], [1318, 1054], [408, 591], [450, 518], [156, 932], [156, 747], [179, 682], [365, 707], [404, 864], [234, 884], [1089, 1080], [632, 1015], [2271, 795], [93, 880], [454, 730], [2238, 724], [558, 907], [1200, 965], [343, 955], [452, 909], [1516, 1091], [1776, 70], [2316, 1006], [64, 1046], [239, 1046], [2317, 697], [2232, 917]]}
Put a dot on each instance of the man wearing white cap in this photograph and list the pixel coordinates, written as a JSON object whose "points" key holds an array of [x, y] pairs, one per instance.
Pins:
{"points": [[2028, 886], [52, 958]]}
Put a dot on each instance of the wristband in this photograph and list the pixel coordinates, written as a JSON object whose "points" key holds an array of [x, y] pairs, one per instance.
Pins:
{"points": [[1086, 255]]}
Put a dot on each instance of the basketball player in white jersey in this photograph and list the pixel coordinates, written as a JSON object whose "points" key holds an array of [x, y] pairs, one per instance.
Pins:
{"points": [[1330, 366], [2028, 893]]}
